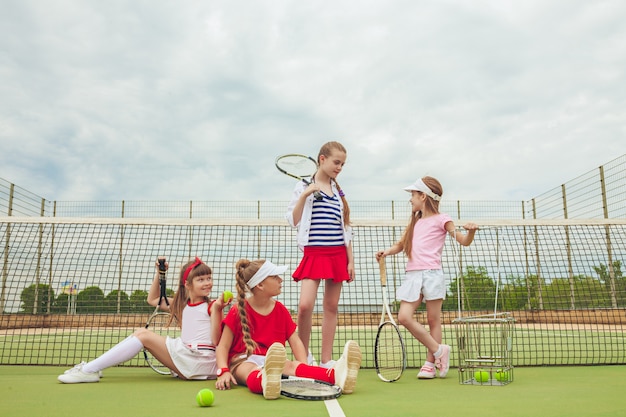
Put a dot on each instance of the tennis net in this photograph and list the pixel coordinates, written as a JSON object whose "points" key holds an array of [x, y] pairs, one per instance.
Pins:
{"points": [[73, 287]]}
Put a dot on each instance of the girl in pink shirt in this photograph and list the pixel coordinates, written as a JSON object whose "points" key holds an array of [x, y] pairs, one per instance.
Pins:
{"points": [[422, 243]]}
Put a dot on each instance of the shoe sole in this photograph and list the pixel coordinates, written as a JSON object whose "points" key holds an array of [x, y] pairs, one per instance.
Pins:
{"points": [[76, 381], [274, 364], [425, 376], [352, 352]]}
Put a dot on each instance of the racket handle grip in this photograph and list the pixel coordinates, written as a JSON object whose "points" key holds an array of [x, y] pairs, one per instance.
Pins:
{"points": [[317, 194], [383, 270]]}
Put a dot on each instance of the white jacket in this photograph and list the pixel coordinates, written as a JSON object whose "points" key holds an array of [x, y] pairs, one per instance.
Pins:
{"points": [[304, 225]]}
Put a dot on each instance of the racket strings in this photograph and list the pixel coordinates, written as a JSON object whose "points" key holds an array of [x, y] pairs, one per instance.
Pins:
{"points": [[297, 165], [390, 353], [309, 389]]}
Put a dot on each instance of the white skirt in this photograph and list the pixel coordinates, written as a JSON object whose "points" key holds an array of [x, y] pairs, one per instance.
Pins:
{"points": [[192, 363]]}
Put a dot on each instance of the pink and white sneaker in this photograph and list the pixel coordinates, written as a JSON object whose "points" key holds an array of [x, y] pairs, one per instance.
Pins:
{"points": [[426, 372], [443, 361]]}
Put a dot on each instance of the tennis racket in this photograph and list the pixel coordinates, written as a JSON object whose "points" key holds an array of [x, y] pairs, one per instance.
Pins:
{"points": [[389, 350], [309, 389], [300, 167], [159, 322]]}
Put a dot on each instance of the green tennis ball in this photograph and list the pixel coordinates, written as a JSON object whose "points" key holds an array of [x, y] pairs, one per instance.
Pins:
{"points": [[227, 296], [481, 376], [205, 397], [502, 376]]}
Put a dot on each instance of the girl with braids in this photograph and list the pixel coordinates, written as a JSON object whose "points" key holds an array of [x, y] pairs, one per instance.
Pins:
{"points": [[190, 356], [251, 351], [324, 235], [422, 243]]}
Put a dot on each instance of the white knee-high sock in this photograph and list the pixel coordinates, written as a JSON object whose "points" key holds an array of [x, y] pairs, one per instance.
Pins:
{"points": [[123, 351]]}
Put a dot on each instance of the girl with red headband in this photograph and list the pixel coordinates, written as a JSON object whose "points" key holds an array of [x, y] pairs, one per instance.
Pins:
{"points": [[190, 356]]}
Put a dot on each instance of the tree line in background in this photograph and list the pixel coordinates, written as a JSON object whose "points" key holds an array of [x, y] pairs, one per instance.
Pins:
{"points": [[532, 293], [91, 300], [478, 288]]}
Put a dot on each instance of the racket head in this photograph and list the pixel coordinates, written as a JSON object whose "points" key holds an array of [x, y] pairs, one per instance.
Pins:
{"points": [[296, 165], [309, 389], [389, 352], [157, 323]]}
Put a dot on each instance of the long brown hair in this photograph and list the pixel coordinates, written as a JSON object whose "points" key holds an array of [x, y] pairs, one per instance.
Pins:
{"points": [[245, 270], [181, 297], [327, 150], [432, 205]]}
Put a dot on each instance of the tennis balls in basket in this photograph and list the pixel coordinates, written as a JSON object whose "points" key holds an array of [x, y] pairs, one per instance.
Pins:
{"points": [[481, 376], [205, 397], [502, 376], [227, 296]]}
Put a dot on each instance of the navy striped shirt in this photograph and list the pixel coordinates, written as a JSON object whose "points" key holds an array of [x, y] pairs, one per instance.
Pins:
{"points": [[326, 227]]}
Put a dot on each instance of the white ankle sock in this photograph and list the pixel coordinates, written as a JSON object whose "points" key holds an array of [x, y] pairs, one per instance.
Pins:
{"points": [[123, 351], [439, 351]]}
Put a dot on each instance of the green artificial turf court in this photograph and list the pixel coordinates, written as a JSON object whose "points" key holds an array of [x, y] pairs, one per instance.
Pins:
{"points": [[138, 391]]}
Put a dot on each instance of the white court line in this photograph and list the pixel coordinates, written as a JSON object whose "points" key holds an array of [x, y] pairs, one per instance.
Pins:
{"points": [[334, 409]]}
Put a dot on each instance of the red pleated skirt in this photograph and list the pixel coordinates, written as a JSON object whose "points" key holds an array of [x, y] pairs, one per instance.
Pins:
{"points": [[323, 262]]}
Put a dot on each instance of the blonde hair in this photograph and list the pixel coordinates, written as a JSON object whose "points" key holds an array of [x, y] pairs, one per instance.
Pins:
{"points": [[245, 270], [327, 150], [432, 205], [181, 297]]}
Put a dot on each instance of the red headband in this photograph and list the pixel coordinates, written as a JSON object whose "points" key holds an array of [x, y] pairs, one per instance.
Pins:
{"points": [[190, 268]]}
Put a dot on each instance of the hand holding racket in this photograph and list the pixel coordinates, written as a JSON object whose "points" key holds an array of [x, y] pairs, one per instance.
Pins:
{"points": [[160, 322], [389, 350], [300, 167]]}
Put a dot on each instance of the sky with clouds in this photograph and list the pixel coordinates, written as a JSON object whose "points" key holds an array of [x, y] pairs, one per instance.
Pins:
{"points": [[194, 99]]}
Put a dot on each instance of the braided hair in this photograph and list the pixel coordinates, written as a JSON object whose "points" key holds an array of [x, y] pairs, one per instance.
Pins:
{"points": [[245, 271]]}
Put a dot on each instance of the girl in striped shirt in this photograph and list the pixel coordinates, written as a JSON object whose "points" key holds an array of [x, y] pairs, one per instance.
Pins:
{"points": [[324, 235]]}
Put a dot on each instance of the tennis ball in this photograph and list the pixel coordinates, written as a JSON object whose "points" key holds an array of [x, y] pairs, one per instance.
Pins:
{"points": [[205, 397], [481, 376], [502, 376], [227, 296]]}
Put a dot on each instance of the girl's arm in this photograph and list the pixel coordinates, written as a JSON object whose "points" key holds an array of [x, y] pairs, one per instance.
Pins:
{"points": [[154, 293], [297, 347], [217, 315], [221, 355], [350, 262], [464, 239], [298, 200], [391, 250]]}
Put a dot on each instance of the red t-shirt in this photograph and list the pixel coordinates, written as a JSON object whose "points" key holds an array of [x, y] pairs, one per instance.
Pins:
{"points": [[277, 326]]}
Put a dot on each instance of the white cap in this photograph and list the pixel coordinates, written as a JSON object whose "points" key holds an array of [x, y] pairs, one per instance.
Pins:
{"points": [[268, 269], [419, 185]]}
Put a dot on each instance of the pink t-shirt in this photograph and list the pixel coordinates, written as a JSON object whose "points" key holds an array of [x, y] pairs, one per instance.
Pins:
{"points": [[277, 326], [429, 235]]}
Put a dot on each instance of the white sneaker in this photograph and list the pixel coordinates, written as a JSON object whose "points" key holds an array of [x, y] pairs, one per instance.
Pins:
{"points": [[76, 375], [310, 360], [347, 367], [100, 373], [328, 365], [272, 372]]}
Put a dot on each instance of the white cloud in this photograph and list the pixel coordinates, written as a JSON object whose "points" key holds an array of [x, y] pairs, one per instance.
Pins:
{"points": [[500, 100]]}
